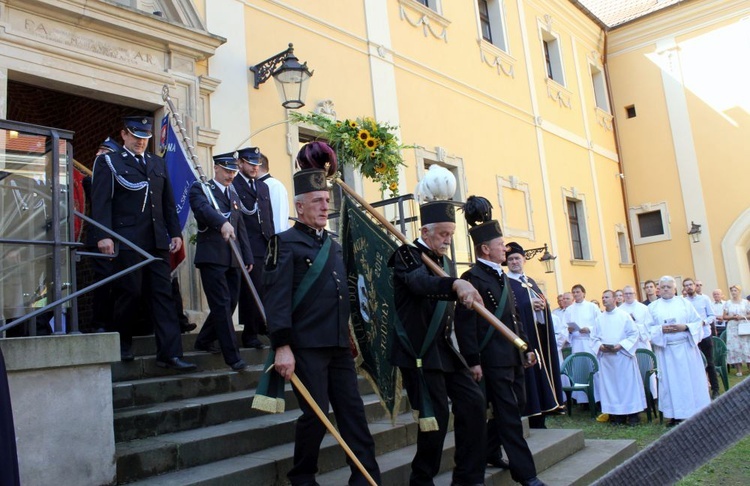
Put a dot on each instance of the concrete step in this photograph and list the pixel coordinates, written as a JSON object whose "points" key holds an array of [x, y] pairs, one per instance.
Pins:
{"points": [[146, 345], [585, 466], [146, 457], [548, 446], [198, 410], [145, 366]]}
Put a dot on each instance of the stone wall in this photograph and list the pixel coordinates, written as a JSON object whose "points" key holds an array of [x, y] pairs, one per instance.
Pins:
{"points": [[61, 393]]}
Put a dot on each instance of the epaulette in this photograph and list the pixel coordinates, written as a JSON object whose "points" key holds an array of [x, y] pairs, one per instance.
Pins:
{"points": [[407, 256], [272, 254]]}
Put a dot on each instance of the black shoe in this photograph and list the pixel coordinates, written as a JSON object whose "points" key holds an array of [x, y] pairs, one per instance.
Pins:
{"points": [[253, 343], [533, 482], [634, 419], [241, 367], [176, 364], [714, 395], [189, 327], [673, 422], [126, 355], [208, 348], [498, 461], [616, 419]]}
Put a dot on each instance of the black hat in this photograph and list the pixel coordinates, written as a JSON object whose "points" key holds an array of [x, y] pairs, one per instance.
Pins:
{"points": [[512, 248], [139, 126], [110, 145], [485, 232], [310, 180], [228, 161], [251, 155], [437, 212]]}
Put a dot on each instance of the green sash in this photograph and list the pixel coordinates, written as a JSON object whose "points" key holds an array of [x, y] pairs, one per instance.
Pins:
{"points": [[269, 396], [498, 313]]}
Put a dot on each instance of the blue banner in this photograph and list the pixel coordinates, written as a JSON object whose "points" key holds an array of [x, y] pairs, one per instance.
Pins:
{"points": [[181, 173]]}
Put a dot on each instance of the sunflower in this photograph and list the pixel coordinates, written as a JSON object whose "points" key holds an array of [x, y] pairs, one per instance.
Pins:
{"points": [[353, 124], [363, 135], [380, 167], [393, 186], [373, 155], [371, 143]]}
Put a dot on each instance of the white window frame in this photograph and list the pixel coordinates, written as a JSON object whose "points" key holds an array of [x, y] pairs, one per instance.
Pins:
{"points": [[583, 226], [633, 213], [599, 83], [512, 183], [623, 245], [555, 50], [496, 13]]}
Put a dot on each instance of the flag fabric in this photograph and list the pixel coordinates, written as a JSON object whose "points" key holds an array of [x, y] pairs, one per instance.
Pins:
{"points": [[181, 174], [367, 249]]}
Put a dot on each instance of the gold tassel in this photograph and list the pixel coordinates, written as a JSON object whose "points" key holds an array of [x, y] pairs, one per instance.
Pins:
{"points": [[266, 404], [280, 405], [428, 424]]}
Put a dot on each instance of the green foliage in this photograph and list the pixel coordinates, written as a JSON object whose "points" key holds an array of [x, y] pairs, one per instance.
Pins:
{"points": [[369, 146]]}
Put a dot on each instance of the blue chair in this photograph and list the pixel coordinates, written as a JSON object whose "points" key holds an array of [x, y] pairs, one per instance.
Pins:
{"points": [[580, 369], [647, 366]]}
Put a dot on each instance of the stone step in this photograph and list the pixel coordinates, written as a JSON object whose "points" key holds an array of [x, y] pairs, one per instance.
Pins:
{"points": [[592, 462], [268, 467], [151, 456], [146, 345], [548, 446], [145, 366], [197, 410]]}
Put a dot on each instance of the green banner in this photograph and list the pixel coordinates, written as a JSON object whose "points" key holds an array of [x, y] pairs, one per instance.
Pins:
{"points": [[367, 249]]}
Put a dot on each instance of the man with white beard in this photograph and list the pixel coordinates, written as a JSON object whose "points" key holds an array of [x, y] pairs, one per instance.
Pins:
{"points": [[640, 315], [614, 339], [675, 333]]}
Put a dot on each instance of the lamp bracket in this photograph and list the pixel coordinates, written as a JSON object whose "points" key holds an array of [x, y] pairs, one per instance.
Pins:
{"points": [[264, 69], [529, 254]]}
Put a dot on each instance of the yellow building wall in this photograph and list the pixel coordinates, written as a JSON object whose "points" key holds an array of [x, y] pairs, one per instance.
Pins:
{"points": [[499, 122], [706, 36]]}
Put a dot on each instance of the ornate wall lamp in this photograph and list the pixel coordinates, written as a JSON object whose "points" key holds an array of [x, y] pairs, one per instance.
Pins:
{"points": [[547, 258], [695, 232], [292, 78]]}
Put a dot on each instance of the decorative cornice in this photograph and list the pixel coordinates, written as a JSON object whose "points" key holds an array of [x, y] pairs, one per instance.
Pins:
{"points": [[496, 58], [208, 84], [603, 119], [425, 17], [559, 93]]}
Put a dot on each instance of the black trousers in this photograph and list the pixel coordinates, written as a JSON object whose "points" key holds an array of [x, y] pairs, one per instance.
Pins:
{"points": [[249, 315], [222, 288], [506, 393], [9, 475], [154, 284], [468, 422], [329, 375], [707, 347], [102, 303]]}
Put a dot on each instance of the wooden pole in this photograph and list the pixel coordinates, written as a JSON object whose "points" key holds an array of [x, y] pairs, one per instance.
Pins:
{"points": [[478, 308], [302, 389]]}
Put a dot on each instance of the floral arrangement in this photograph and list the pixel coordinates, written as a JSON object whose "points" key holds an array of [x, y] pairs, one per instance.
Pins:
{"points": [[370, 146]]}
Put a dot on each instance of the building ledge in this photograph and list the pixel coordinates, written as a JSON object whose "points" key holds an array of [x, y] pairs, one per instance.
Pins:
{"points": [[583, 263], [34, 353]]}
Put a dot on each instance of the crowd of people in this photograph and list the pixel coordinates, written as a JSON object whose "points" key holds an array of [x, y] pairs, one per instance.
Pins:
{"points": [[298, 275]]}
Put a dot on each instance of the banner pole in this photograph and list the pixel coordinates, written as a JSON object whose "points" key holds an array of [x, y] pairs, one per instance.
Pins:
{"points": [[478, 308]]}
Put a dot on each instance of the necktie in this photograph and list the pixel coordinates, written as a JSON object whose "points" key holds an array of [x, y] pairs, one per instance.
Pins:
{"points": [[252, 184], [140, 160]]}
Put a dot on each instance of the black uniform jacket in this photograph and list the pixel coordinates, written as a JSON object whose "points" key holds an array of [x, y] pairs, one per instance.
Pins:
{"points": [[416, 294], [259, 226], [211, 247], [471, 328], [149, 225], [322, 319]]}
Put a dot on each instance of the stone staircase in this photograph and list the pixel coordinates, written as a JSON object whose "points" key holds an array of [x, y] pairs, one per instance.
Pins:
{"points": [[199, 429]]}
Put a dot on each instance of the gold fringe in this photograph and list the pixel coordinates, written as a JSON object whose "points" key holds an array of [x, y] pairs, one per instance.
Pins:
{"points": [[267, 404], [280, 405], [428, 424], [415, 414]]}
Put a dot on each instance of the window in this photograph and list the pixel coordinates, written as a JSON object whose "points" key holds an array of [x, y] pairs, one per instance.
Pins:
{"points": [[515, 208], [431, 4], [492, 22], [575, 211], [552, 57], [575, 229], [600, 88], [650, 223], [622, 244]]}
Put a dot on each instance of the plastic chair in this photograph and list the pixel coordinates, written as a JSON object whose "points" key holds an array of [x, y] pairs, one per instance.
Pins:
{"points": [[566, 351], [723, 336], [647, 366], [580, 369], [720, 360]]}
